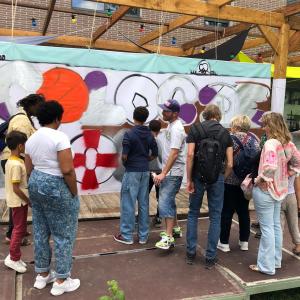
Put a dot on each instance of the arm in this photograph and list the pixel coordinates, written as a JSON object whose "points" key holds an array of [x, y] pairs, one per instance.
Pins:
{"points": [[297, 190], [154, 149], [171, 159], [65, 161], [229, 161], [19, 192], [28, 165], [125, 147], [189, 167]]}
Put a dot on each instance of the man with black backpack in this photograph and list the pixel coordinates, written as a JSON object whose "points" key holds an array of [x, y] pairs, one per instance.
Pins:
{"points": [[209, 161]]}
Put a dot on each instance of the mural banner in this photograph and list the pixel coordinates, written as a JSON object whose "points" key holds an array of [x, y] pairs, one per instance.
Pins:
{"points": [[99, 91]]}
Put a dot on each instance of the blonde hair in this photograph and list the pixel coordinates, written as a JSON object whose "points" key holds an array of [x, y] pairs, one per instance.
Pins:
{"points": [[277, 127], [241, 123], [212, 111]]}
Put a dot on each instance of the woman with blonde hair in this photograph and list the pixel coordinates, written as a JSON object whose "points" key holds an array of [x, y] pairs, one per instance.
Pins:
{"points": [[234, 199], [279, 160]]}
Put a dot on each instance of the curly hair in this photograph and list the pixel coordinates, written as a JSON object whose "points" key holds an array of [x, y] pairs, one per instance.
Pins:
{"points": [[212, 111], [277, 127]]}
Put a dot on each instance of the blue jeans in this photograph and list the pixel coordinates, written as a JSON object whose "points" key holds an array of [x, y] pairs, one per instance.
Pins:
{"points": [[168, 189], [270, 244], [135, 186], [54, 212], [215, 197]]}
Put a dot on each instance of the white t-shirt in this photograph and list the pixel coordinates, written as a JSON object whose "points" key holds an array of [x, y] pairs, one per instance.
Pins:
{"points": [[291, 189], [173, 138], [42, 147]]}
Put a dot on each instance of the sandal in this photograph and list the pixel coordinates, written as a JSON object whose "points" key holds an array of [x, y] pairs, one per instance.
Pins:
{"points": [[254, 268], [296, 252]]}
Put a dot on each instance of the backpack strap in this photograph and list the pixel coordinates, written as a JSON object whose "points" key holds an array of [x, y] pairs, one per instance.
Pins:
{"points": [[240, 144]]}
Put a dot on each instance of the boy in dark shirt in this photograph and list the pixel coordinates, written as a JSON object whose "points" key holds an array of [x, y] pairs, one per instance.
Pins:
{"points": [[137, 144]]}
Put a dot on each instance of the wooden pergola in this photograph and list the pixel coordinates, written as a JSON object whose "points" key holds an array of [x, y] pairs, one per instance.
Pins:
{"points": [[280, 28]]}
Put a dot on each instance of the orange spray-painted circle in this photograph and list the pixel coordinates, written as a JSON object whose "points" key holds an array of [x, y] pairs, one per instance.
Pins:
{"points": [[69, 89]]}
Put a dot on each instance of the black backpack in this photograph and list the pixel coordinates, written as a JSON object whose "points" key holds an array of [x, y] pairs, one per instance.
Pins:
{"points": [[3, 129], [244, 158], [210, 155]]}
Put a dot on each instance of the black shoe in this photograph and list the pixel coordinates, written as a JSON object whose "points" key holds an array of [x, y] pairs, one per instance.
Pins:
{"points": [[190, 258], [157, 222], [210, 263], [258, 235], [255, 225]]}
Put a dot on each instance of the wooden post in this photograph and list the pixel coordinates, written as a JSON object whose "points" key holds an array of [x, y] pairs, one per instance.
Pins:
{"points": [[279, 80]]}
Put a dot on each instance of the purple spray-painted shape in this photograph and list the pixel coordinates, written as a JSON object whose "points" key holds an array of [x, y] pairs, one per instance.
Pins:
{"points": [[188, 113], [4, 114], [206, 94], [95, 80], [257, 116]]}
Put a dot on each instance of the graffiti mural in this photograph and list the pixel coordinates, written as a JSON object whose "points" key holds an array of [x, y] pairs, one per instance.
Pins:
{"points": [[99, 104]]}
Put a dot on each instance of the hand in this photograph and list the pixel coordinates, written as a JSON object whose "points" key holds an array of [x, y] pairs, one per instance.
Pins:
{"points": [[263, 185], [190, 187], [159, 178]]}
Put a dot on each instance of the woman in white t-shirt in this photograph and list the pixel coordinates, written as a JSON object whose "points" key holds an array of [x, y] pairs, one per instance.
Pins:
{"points": [[53, 194]]}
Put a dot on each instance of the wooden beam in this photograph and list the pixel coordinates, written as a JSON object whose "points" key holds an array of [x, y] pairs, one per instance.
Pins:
{"points": [[212, 37], [48, 16], [197, 8], [117, 15], [291, 9], [294, 42], [103, 15], [280, 63], [219, 2], [270, 36], [83, 42], [174, 24], [294, 22], [253, 43]]}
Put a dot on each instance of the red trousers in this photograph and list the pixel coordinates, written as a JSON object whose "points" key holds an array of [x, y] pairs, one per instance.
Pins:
{"points": [[19, 215]]}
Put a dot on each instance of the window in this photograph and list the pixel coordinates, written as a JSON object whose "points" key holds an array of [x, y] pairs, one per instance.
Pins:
{"points": [[216, 23], [102, 7]]}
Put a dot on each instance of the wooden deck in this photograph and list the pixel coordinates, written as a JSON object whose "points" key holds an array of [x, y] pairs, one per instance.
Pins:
{"points": [[108, 206]]}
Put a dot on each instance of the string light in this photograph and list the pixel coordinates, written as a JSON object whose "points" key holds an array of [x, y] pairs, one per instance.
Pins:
{"points": [[142, 28], [33, 22], [174, 40], [202, 51], [74, 19]]}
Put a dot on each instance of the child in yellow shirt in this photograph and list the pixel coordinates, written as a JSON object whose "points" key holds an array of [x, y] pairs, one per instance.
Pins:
{"points": [[16, 193]]}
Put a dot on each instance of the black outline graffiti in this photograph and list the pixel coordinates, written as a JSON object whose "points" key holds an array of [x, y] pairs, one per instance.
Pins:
{"points": [[135, 94], [124, 79], [203, 71]]}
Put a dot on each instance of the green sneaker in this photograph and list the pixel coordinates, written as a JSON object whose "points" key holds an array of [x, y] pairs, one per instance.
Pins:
{"points": [[165, 243], [177, 232]]}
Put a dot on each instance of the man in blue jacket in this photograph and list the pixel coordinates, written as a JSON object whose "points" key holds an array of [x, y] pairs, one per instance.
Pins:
{"points": [[139, 147]]}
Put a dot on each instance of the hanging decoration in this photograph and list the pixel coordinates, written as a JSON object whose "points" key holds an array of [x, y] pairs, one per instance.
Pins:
{"points": [[174, 40], [74, 19], [259, 58], [109, 12], [142, 28], [33, 22]]}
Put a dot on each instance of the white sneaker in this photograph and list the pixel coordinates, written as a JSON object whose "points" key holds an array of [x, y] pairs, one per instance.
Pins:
{"points": [[243, 246], [23, 263], [223, 247], [15, 265], [69, 285], [41, 282]]}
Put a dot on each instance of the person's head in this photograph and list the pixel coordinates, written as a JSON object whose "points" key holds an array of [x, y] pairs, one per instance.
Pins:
{"points": [[140, 114], [155, 126], [275, 127], [241, 123], [31, 103], [171, 110], [212, 112], [15, 141], [50, 113]]}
